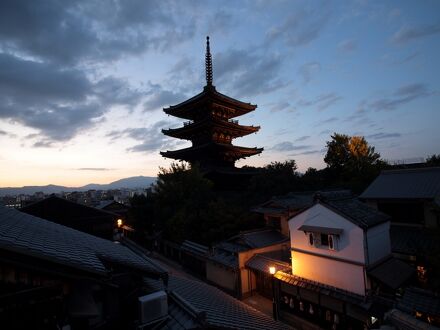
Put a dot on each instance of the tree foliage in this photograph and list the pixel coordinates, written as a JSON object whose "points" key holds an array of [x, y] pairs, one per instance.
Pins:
{"points": [[351, 160], [185, 205], [275, 178], [433, 160]]}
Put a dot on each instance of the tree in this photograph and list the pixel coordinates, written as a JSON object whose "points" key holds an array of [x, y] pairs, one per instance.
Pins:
{"points": [[180, 194], [276, 178], [337, 156], [352, 161], [433, 160]]}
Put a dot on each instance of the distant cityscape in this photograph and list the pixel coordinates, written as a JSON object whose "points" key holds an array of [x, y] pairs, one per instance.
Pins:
{"points": [[120, 191]]}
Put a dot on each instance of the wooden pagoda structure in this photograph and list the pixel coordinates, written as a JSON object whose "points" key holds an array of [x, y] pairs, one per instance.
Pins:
{"points": [[211, 128]]}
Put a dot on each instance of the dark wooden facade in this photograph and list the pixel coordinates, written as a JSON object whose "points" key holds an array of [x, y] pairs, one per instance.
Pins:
{"points": [[81, 217], [211, 128]]}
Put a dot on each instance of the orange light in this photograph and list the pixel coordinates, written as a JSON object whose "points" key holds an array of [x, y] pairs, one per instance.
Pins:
{"points": [[272, 270], [119, 222]]}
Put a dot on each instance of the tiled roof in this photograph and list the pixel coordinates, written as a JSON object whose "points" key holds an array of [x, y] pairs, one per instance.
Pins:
{"points": [[181, 315], [103, 204], [221, 310], [357, 212], [252, 240], [419, 300], [404, 184], [414, 241], [227, 259], [321, 288], [262, 263], [392, 272], [41, 239], [401, 320], [195, 248], [283, 204]]}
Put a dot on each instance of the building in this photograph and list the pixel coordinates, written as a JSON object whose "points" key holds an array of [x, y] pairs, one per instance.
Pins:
{"points": [[196, 305], [53, 277], [211, 129], [278, 210], [341, 255], [226, 265], [411, 197], [78, 216]]}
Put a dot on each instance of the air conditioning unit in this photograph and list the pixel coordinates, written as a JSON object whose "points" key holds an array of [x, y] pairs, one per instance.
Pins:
{"points": [[153, 307]]}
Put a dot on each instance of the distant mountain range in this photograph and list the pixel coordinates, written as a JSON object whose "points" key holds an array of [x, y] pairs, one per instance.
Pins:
{"points": [[130, 183]]}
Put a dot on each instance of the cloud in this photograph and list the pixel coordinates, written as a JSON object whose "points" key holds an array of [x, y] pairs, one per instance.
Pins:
{"points": [[160, 97], [301, 27], [280, 106], [151, 138], [321, 102], [325, 132], [406, 34], [248, 72], [43, 144], [347, 46], [309, 70], [380, 136], [327, 121], [289, 146], [309, 152], [302, 138], [400, 96], [221, 21], [57, 101], [99, 169], [95, 30]]}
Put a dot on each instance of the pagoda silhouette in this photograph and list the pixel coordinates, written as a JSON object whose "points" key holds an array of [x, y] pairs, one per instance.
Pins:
{"points": [[211, 129]]}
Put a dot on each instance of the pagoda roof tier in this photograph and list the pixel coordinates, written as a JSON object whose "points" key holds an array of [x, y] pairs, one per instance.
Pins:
{"points": [[212, 150], [212, 99], [212, 123]]}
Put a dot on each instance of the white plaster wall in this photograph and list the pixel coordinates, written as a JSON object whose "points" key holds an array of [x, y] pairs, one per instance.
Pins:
{"points": [[350, 243], [378, 242], [339, 274], [220, 276]]}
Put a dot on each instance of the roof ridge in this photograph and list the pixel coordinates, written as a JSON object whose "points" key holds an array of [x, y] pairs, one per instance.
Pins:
{"points": [[406, 170]]}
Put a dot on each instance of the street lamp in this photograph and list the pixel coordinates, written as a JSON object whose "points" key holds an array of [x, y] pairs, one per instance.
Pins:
{"points": [[272, 271]]}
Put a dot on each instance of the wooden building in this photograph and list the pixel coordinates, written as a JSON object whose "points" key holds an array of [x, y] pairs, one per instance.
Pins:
{"points": [[226, 266], [411, 197], [211, 129], [78, 216], [56, 277], [341, 261]]}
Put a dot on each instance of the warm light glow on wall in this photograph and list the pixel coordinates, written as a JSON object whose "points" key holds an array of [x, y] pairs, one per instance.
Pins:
{"points": [[119, 222]]}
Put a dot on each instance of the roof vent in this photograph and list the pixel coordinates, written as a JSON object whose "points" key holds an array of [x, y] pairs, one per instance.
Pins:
{"points": [[153, 307]]}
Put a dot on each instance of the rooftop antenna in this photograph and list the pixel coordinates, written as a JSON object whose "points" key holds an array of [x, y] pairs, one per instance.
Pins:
{"points": [[208, 64]]}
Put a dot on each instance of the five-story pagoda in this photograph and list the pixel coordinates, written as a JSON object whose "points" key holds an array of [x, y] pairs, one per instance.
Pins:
{"points": [[210, 128]]}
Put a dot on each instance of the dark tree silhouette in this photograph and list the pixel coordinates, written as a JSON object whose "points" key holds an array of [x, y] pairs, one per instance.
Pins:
{"points": [[433, 160]]}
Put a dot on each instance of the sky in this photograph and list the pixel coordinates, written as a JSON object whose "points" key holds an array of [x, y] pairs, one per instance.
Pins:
{"points": [[83, 83]]}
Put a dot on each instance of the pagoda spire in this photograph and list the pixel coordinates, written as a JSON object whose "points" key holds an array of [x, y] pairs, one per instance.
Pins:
{"points": [[208, 64]]}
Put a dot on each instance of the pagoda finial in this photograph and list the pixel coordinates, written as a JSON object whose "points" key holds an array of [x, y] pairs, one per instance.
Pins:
{"points": [[208, 64]]}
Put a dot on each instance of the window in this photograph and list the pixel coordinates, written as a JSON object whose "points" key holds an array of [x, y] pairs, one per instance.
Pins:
{"points": [[325, 241]]}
